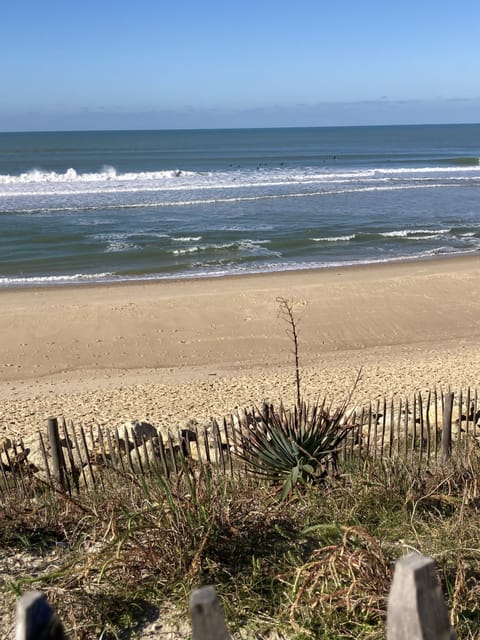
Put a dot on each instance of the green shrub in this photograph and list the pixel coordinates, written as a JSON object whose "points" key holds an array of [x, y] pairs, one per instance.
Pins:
{"points": [[295, 446]]}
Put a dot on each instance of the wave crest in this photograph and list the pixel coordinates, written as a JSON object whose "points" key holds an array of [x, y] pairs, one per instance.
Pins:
{"points": [[106, 173]]}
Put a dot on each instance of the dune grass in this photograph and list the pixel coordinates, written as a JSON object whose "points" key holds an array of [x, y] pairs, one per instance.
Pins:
{"points": [[317, 564]]}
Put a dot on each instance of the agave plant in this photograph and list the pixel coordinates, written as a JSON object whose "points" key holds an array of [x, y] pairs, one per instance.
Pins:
{"points": [[293, 446]]}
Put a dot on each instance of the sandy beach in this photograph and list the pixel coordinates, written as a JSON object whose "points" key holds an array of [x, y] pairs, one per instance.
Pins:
{"points": [[175, 350]]}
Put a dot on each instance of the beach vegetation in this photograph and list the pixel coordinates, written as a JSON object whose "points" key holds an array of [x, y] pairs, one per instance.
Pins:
{"points": [[316, 564], [294, 447], [287, 314]]}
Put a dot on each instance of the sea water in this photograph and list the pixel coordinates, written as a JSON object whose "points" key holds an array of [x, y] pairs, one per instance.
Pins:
{"points": [[141, 205]]}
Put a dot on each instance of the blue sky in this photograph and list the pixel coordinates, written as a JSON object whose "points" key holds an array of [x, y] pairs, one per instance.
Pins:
{"points": [[165, 64]]}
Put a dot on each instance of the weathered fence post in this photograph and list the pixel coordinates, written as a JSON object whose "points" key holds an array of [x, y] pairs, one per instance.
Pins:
{"points": [[56, 451], [447, 427], [208, 622], [36, 620], [416, 607]]}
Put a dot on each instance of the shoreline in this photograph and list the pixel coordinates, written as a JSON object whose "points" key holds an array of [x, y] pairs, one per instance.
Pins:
{"points": [[233, 276], [170, 351]]}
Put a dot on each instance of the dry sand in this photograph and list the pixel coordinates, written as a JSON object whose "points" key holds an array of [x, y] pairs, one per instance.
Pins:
{"points": [[174, 350]]}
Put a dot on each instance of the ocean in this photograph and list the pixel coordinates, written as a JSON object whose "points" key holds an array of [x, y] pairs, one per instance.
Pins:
{"points": [[110, 206]]}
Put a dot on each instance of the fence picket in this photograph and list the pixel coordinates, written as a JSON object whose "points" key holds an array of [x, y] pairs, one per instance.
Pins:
{"points": [[399, 422], [375, 431], [101, 443], [447, 427], [405, 428], [197, 446], [79, 454], [17, 469], [145, 440], [173, 457], [128, 452], [369, 430], [469, 414], [392, 427], [208, 622], [163, 456], [74, 472], [87, 455], [156, 462], [16, 481], [228, 449], [475, 415], [414, 425], [428, 427], [206, 445], [459, 419], [56, 452], [360, 431], [137, 452], [4, 475], [384, 424], [37, 619], [113, 457], [416, 607], [422, 426], [219, 457], [92, 445], [118, 443]]}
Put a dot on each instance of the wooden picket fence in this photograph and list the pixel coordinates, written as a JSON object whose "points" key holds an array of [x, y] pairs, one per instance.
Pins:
{"points": [[416, 609], [424, 429]]}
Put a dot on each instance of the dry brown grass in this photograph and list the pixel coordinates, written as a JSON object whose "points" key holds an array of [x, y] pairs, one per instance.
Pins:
{"points": [[317, 564]]}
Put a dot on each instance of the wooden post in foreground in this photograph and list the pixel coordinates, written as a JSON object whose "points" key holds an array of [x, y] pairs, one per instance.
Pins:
{"points": [[36, 620], [416, 606], [447, 427], [56, 451], [206, 613]]}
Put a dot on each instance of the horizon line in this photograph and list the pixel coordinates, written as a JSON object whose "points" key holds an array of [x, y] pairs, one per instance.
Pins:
{"points": [[244, 128]]}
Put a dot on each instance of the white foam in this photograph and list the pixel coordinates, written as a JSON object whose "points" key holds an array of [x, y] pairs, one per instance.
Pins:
{"points": [[117, 247], [334, 239], [257, 247], [106, 173], [255, 242], [46, 280], [180, 252], [241, 227], [443, 250], [411, 233], [109, 180], [245, 245]]}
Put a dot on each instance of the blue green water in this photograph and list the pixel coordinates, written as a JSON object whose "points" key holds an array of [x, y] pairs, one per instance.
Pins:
{"points": [[109, 206]]}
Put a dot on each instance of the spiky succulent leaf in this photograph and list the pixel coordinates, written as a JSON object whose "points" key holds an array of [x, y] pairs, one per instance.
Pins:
{"points": [[290, 446]]}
